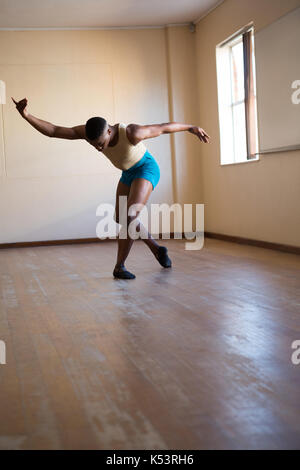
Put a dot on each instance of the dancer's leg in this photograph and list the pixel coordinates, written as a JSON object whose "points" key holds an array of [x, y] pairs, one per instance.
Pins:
{"points": [[160, 252], [123, 190], [147, 238], [139, 193]]}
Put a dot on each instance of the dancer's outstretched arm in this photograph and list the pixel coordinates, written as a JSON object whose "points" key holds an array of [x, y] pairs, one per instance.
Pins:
{"points": [[138, 133], [48, 129]]}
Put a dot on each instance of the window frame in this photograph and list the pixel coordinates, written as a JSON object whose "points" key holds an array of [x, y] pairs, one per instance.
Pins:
{"points": [[233, 104], [223, 56]]}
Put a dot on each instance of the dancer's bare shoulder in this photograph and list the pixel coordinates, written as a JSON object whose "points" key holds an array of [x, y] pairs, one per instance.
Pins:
{"points": [[131, 132]]}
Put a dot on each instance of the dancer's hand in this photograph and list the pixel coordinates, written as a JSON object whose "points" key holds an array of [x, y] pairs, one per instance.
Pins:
{"points": [[21, 106], [199, 132]]}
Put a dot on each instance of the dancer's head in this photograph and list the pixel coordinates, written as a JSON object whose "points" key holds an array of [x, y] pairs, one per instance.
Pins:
{"points": [[97, 132]]}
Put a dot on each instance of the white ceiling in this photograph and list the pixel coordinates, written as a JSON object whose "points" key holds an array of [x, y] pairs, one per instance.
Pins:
{"points": [[17, 14]]}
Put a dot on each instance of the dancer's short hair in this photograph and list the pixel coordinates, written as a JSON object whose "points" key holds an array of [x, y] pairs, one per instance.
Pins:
{"points": [[94, 127]]}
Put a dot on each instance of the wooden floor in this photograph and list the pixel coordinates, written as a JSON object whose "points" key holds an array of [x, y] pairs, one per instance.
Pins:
{"points": [[193, 357]]}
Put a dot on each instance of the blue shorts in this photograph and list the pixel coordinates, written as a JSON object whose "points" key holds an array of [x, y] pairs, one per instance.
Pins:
{"points": [[146, 168]]}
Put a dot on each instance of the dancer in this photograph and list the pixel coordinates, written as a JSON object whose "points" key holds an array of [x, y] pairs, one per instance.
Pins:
{"points": [[123, 146]]}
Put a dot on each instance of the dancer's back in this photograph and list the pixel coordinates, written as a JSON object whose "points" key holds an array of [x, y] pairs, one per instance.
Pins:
{"points": [[124, 154]]}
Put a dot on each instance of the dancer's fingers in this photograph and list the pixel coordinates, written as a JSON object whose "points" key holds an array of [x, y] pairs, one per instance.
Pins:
{"points": [[205, 136]]}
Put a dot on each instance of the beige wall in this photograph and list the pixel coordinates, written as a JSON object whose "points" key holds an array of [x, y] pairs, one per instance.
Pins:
{"points": [[50, 188], [257, 200], [183, 96]]}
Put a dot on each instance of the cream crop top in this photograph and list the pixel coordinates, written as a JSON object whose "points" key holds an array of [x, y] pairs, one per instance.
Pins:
{"points": [[124, 154]]}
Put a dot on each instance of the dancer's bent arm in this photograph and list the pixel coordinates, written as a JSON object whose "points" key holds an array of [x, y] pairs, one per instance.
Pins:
{"points": [[138, 133], [47, 128]]}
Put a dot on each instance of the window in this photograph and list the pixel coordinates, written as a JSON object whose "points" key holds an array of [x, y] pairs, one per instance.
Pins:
{"points": [[237, 98]]}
